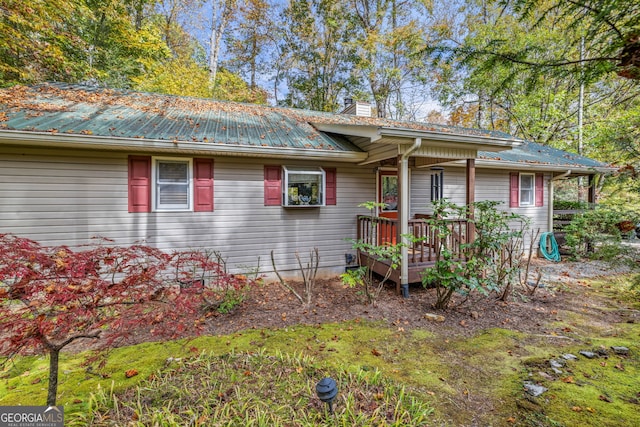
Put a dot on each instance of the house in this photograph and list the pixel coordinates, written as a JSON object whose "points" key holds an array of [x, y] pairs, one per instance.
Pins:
{"points": [[176, 173]]}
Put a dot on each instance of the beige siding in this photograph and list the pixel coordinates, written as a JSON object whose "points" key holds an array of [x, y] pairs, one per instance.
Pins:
{"points": [[66, 198], [491, 184]]}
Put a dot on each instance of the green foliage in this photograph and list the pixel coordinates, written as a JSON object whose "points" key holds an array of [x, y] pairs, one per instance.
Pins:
{"points": [[450, 274], [315, 54], [370, 253], [39, 41], [596, 233], [492, 260], [570, 204]]}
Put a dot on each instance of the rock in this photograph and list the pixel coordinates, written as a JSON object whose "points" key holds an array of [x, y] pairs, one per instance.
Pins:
{"points": [[602, 352], [620, 351], [556, 371], [569, 356], [434, 317], [588, 354], [534, 390], [474, 314], [557, 363], [546, 376]]}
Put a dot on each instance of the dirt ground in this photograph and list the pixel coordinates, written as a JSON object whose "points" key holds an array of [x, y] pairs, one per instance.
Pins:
{"points": [[273, 306]]}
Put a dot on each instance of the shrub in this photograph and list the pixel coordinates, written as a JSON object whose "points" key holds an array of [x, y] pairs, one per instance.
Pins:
{"points": [[493, 259], [597, 233]]}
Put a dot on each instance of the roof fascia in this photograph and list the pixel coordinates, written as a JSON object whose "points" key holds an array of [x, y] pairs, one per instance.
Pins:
{"points": [[501, 164], [76, 141], [488, 143]]}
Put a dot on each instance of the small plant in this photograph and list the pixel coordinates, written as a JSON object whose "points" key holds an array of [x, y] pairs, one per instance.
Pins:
{"points": [[371, 253], [499, 246], [307, 273]]}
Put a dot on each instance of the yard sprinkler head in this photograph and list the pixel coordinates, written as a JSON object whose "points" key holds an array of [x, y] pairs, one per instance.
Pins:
{"points": [[327, 390]]}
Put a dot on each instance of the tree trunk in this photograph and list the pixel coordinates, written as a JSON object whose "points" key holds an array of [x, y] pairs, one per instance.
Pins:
{"points": [[54, 355]]}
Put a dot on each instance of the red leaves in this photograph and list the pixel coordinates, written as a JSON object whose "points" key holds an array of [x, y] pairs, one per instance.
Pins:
{"points": [[55, 292]]}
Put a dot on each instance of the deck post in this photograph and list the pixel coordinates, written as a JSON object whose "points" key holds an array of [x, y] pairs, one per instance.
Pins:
{"points": [[471, 198], [403, 214]]}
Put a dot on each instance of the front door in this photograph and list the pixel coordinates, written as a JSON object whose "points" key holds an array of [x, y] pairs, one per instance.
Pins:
{"points": [[388, 194]]}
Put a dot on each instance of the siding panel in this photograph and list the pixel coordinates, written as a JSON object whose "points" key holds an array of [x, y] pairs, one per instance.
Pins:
{"points": [[69, 197]]}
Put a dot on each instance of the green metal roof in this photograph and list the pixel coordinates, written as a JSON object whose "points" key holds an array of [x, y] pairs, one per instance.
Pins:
{"points": [[531, 153], [56, 109], [67, 109], [75, 109]]}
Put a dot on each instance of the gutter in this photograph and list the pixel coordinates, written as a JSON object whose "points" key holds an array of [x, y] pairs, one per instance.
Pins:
{"points": [[550, 204], [403, 214]]}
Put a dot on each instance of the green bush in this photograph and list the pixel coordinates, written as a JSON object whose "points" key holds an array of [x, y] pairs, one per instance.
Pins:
{"points": [[596, 233]]}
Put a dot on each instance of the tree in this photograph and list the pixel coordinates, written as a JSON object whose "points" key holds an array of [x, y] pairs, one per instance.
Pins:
{"points": [[251, 38], [39, 41], [389, 39], [121, 46], [221, 12], [51, 297], [516, 98], [611, 28], [316, 54]]}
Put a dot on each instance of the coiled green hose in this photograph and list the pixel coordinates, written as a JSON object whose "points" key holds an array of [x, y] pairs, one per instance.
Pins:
{"points": [[545, 238]]}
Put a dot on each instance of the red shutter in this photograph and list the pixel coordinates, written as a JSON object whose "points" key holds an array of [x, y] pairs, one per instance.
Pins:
{"points": [[203, 185], [514, 190], [139, 184], [330, 182], [539, 189], [272, 186]]}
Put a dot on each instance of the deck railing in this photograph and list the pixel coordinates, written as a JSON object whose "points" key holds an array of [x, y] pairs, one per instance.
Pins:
{"points": [[383, 231]]}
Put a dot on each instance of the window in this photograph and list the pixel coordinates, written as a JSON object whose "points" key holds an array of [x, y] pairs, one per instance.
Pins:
{"points": [[299, 186], [303, 186], [437, 184], [526, 189], [170, 184]]}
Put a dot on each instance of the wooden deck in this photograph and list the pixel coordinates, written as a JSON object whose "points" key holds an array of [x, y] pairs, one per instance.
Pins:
{"points": [[423, 251]]}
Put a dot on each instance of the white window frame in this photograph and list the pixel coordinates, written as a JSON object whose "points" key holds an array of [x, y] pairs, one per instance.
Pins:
{"points": [[302, 170], [188, 207], [521, 188]]}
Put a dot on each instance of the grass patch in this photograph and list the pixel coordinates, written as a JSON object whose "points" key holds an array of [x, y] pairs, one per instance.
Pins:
{"points": [[386, 376], [257, 389]]}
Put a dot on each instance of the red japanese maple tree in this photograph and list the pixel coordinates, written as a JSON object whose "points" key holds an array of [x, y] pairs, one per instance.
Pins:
{"points": [[53, 296]]}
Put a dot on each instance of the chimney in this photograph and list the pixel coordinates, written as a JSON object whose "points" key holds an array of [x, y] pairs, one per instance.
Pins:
{"points": [[356, 108]]}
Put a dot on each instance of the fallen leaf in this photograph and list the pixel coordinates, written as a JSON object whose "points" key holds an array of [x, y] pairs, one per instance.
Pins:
{"points": [[604, 398], [568, 380], [576, 409], [131, 373], [593, 411], [376, 352]]}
